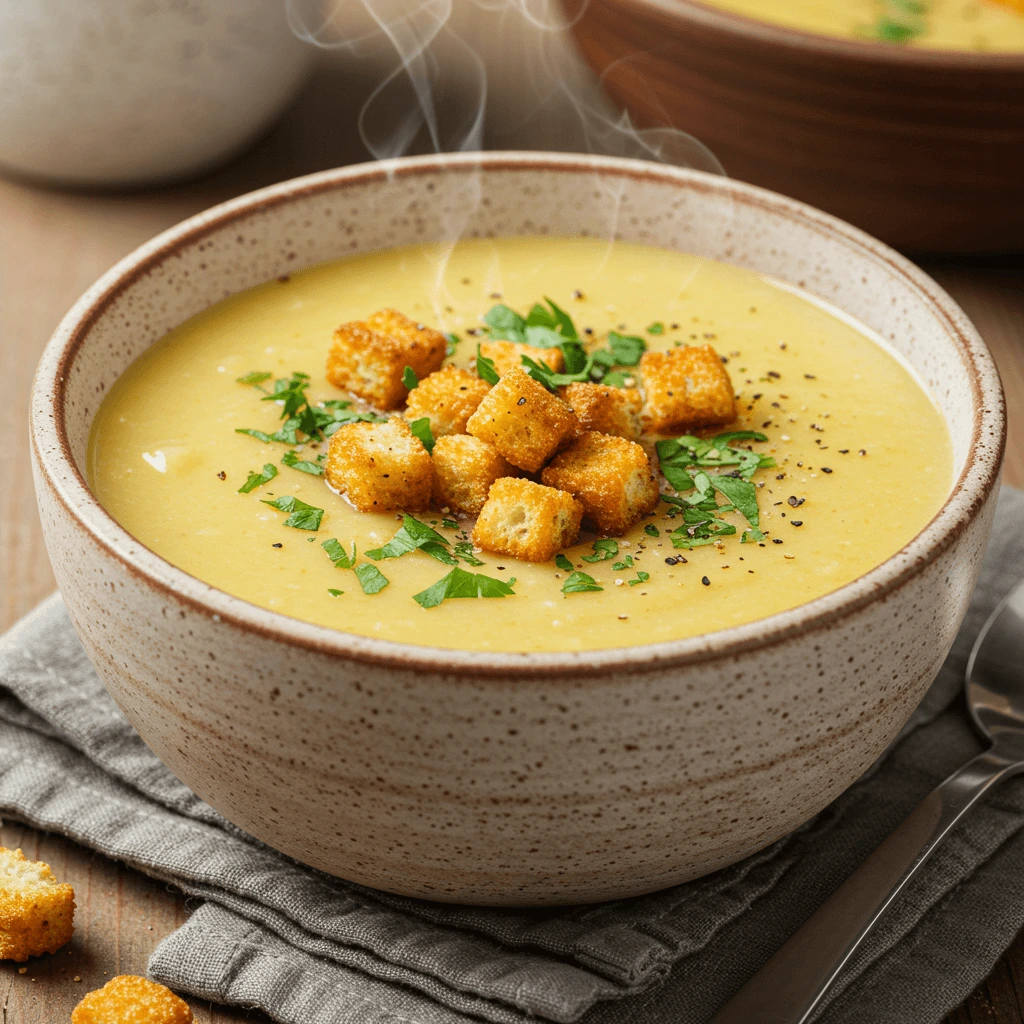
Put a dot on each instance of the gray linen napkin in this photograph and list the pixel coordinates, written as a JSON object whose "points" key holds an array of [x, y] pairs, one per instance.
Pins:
{"points": [[310, 949]]}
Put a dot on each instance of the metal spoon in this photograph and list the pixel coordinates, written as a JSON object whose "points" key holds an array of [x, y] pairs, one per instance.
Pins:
{"points": [[791, 984]]}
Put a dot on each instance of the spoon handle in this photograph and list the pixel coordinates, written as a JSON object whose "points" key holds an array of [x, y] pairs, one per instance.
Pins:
{"points": [[789, 986]]}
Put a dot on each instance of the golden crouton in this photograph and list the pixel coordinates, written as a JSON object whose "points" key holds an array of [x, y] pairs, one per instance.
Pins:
{"points": [[685, 387], [527, 520], [447, 398], [464, 469], [507, 355], [36, 911], [380, 467], [605, 409], [129, 999], [368, 358], [611, 477], [523, 420]]}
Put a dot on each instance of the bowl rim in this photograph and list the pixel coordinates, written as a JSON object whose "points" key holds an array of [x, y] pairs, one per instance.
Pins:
{"points": [[868, 51], [52, 455]]}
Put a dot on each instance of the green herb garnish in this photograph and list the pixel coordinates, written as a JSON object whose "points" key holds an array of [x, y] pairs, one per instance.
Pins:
{"points": [[626, 348], [641, 577], [258, 479], [338, 555], [651, 530], [421, 429], [409, 378], [580, 583], [656, 328], [302, 517], [459, 583], [335, 593], [563, 563], [413, 536], [254, 378], [453, 341], [464, 550], [603, 551], [485, 368], [626, 563], [371, 579], [505, 324], [302, 465]]}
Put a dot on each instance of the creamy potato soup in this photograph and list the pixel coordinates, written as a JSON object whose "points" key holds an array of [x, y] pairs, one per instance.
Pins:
{"points": [[940, 24], [845, 456]]}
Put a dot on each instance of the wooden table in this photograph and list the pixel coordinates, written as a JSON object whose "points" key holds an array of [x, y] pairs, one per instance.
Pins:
{"points": [[52, 246]]}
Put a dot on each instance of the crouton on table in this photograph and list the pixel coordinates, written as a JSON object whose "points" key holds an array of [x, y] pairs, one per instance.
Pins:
{"points": [[508, 355], [685, 387], [527, 520], [36, 911], [605, 409], [380, 467], [129, 999], [611, 477], [447, 398], [523, 420], [464, 469], [368, 357]]}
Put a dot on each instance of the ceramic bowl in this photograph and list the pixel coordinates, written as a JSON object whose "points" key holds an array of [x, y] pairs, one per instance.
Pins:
{"points": [[510, 778], [923, 148]]}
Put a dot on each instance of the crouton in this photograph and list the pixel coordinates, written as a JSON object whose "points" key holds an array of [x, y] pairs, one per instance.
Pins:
{"points": [[523, 420], [527, 520], [464, 469], [380, 467], [507, 355], [129, 999], [447, 398], [611, 478], [36, 911], [605, 409], [685, 387], [368, 358]]}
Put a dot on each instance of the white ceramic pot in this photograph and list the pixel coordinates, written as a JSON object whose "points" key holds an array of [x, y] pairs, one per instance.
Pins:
{"points": [[504, 778], [125, 92]]}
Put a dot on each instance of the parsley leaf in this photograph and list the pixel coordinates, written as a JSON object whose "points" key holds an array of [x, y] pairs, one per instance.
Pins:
{"points": [[580, 583], [453, 341], [421, 429], [563, 563], [335, 593], [505, 324], [651, 530], [742, 494], [409, 378], [656, 328], [626, 563], [627, 348], [337, 554], [414, 535], [641, 577], [459, 583], [464, 550], [302, 517], [371, 579], [258, 479], [254, 378], [304, 466], [603, 551], [485, 368], [618, 379]]}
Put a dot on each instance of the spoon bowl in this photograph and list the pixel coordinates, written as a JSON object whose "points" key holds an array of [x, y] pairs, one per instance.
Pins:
{"points": [[995, 672]]}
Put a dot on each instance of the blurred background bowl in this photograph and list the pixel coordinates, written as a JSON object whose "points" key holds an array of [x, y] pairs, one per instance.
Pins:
{"points": [[128, 92], [923, 148]]}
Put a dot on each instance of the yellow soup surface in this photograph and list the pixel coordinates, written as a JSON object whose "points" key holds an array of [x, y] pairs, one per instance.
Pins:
{"points": [[996, 25], [863, 455]]}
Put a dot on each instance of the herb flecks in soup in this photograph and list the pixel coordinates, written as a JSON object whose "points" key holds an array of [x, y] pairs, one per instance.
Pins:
{"points": [[861, 455], [996, 25]]}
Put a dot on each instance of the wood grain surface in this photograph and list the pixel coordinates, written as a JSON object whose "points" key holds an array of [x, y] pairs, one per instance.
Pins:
{"points": [[52, 246]]}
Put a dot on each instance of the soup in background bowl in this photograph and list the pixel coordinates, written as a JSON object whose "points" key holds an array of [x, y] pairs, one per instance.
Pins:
{"points": [[516, 776]]}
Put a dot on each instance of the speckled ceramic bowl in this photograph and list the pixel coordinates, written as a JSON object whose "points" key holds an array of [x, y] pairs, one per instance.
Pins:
{"points": [[504, 778]]}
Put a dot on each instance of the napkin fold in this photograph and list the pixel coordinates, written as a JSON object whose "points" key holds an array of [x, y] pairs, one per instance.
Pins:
{"points": [[311, 949]]}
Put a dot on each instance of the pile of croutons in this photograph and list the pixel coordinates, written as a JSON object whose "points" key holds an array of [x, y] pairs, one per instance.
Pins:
{"points": [[530, 464]]}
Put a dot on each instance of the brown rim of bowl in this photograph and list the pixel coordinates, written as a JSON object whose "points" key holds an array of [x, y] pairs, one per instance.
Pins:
{"points": [[782, 36], [60, 473]]}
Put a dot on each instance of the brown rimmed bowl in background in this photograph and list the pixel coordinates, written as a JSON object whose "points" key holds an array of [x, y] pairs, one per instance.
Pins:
{"points": [[511, 778]]}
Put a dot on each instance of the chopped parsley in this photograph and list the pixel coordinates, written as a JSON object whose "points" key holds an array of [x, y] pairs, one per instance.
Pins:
{"points": [[302, 516], [901, 21], [580, 583], [303, 465], [626, 563], [254, 378], [626, 348], [258, 479], [335, 593], [656, 328], [603, 551], [415, 535], [464, 550], [409, 378], [449, 524], [371, 579], [337, 554], [421, 429], [485, 368], [459, 583], [651, 530], [453, 341], [563, 563], [641, 577]]}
